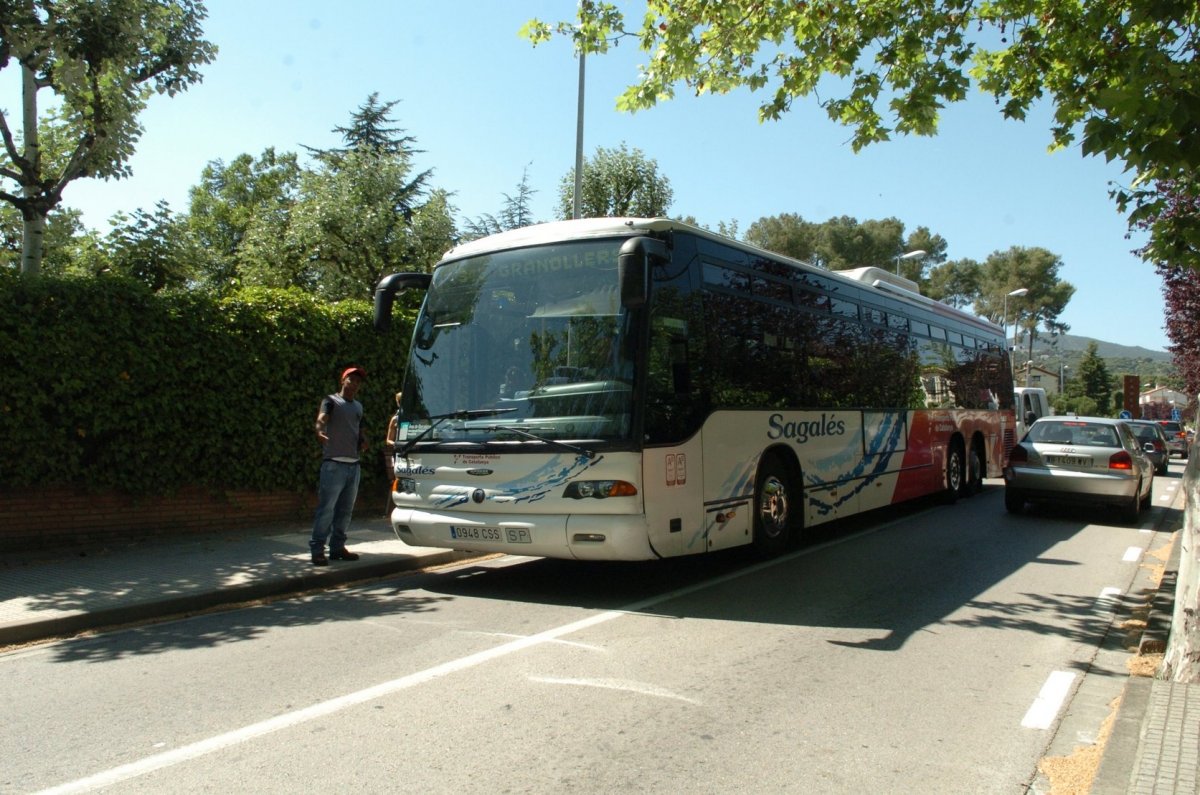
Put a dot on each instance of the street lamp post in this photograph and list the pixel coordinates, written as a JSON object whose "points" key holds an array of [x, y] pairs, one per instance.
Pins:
{"points": [[1017, 293], [578, 202], [910, 255], [1062, 377]]}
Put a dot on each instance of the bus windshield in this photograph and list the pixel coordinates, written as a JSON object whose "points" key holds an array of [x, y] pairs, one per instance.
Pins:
{"points": [[536, 332]]}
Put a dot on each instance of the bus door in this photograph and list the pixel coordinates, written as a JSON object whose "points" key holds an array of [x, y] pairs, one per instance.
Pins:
{"points": [[674, 487]]}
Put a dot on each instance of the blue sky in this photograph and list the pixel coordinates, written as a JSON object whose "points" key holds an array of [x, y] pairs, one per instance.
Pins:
{"points": [[483, 105]]}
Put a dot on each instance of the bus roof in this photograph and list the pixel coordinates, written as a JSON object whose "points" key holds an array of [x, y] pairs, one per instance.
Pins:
{"points": [[555, 231]]}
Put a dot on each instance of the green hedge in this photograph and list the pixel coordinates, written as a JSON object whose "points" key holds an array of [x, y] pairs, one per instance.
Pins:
{"points": [[108, 386]]}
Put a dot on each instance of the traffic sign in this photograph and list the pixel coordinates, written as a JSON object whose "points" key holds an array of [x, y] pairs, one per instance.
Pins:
{"points": [[1175, 415], [1126, 415]]}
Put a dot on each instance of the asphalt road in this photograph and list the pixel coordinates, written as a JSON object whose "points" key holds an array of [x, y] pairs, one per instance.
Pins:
{"points": [[932, 649]]}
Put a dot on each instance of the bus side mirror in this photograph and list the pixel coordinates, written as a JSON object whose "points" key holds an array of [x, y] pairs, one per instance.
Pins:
{"points": [[633, 268], [385, 294]]}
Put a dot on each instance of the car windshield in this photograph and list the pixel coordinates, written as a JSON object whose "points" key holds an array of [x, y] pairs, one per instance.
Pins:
{"points": [[537, 333], [1074, 433]]}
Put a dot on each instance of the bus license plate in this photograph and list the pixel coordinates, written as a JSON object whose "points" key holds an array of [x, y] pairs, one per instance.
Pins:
{"points": [[513, 535], [476, 533], [1069, 461]]}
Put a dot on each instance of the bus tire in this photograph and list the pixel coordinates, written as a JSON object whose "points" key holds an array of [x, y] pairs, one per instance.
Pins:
{"points": [[973, 482], [954, 473], [775, 503]]}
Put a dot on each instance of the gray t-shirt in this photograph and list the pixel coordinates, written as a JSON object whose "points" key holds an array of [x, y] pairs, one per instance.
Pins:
{"points": [[345, 418]]}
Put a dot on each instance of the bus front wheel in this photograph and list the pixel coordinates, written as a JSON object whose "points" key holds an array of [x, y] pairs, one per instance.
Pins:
{"points": [[775, 502]]}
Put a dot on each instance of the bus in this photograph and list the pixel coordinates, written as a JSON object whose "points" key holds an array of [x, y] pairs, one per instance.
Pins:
{"points": [[636, 389]]}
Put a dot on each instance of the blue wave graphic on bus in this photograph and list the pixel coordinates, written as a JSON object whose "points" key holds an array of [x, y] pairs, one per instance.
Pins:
{"points": [[880, 448], [531, 487]]}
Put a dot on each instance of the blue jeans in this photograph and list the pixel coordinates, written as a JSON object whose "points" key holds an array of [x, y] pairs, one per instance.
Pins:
{"points": [[336, 492]]}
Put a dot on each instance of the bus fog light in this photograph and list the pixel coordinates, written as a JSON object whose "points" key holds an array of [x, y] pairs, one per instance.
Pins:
{"points": [[599, 489]]}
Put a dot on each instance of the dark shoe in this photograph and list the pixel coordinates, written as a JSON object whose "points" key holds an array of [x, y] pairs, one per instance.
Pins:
{"points": [[319, 559], [342, 554]]}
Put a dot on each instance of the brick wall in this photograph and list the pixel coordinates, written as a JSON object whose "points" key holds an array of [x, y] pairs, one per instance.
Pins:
{"points": [[60, 517]]}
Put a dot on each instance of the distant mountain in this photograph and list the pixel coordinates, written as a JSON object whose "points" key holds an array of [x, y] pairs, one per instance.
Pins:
{"points": [[1106, 350], [1068, 350]]}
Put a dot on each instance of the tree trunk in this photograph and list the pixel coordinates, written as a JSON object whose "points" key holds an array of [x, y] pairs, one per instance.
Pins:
{"points": [[35, 221], [1182, 660], [32, 233]]}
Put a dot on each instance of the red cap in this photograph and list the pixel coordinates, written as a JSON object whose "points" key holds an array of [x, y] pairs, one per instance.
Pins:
{"points": [[349, 370]]}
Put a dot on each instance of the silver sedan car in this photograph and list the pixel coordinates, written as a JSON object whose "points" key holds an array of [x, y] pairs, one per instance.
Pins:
{"points": [[1091, 460]]}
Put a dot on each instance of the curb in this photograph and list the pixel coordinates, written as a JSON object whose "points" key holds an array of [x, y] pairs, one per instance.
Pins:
{"points": [[63, 625], [1120, 756]]}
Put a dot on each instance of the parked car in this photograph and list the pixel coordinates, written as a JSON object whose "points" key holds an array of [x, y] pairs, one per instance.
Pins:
{"points": [[1154, 442], [1177, 438], [1089, 460]]}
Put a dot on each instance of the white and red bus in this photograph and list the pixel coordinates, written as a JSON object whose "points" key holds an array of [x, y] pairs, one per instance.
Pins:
{"points": [[629, 389]]}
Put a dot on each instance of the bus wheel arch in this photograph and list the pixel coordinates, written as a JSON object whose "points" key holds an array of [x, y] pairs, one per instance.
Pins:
{"points": [[778, 501]]}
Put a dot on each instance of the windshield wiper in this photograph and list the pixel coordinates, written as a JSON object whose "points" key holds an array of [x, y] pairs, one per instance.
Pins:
{"points": [[438, 419], [552, 442]]}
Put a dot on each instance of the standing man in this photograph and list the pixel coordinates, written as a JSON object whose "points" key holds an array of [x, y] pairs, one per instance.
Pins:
{"points": [[340, 431]]}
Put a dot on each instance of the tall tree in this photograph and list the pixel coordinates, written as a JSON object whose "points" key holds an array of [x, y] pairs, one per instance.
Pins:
{"points": [[955, 282], [617, 183], [361, 211], [1181, 290], [516, 213], [350, 228], [1095, 379], [846, 243], [1122, 76], [372, 129], [102, 60], [230, 199], [150, 247], [1034, 269], [787, 234]]}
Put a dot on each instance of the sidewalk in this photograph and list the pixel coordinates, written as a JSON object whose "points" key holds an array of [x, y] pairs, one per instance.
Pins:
{"points": [[1154, 747], [44, 596]]}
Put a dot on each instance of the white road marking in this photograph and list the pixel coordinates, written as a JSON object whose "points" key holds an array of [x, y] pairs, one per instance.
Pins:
{"points": [[1132, 554], [1109, 594], [1049, 700], [616, 684], [287, 720]]}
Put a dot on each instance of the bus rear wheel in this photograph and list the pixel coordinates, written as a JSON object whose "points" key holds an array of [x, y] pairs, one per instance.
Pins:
{"points": [[973, 481], [954, 473], [774, 506]]}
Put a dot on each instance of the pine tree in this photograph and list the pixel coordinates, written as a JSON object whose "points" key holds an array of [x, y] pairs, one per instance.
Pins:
{"points": [[1095, 378]]}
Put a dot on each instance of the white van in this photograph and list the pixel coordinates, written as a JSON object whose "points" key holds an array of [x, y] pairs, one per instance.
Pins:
{"points": [[1031, 404]]}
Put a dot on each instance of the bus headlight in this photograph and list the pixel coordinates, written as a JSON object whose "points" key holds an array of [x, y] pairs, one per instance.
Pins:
{"points": [[599, 489]]}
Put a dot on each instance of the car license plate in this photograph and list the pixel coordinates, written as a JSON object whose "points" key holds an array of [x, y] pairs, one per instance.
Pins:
{"points": [[1069, 460], [513, 535]]}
